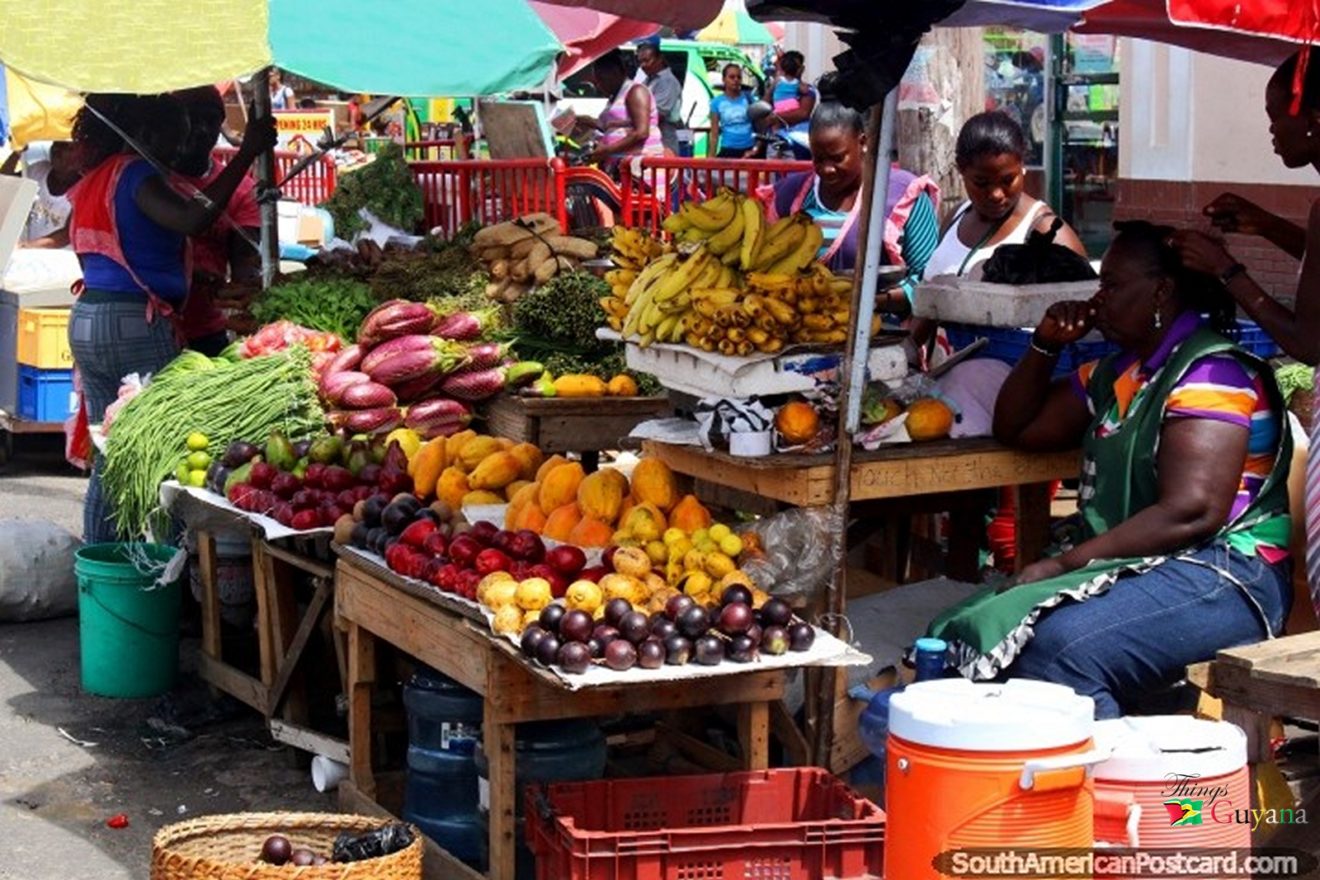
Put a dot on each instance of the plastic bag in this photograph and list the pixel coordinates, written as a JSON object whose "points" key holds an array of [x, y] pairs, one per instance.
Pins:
{"points": [[36, 570], [130, 386], [800, 551], [351, 847], [1037, 261]]}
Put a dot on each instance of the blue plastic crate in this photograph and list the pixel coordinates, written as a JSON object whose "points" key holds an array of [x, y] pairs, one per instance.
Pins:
{"points": [[1009, 344], [45, 395]]}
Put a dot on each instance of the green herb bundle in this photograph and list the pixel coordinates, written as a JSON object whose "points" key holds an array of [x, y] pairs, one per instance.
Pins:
{"points": [[320, 302]]}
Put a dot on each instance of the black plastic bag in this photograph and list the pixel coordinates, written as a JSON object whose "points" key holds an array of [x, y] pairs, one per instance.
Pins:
{"points": [[1037, 261], [350, 847]]}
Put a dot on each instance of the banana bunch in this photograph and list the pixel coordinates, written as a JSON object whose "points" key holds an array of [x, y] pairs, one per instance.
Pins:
{"points": [[634, 248], [813, 308], [734, 229]]}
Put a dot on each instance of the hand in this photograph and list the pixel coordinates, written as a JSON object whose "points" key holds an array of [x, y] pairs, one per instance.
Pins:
{"points": [[1201, 253], [1232, 213], [1038, 571], [258, 137], [1065, 323]]}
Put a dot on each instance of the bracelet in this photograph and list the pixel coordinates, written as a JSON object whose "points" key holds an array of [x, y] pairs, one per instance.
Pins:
{"points": [[1230, 273], [1043, 349]]}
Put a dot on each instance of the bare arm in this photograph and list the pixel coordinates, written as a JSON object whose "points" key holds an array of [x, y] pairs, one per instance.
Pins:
{"points": [[57, 239], [638, 104], [1232, 213], [713, 139], [1296, 330], [10, 166], [1032, 412], [189, 217]]}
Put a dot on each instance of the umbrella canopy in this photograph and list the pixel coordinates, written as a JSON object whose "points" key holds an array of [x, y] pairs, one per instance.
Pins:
{"points": [[734, 26], [588, 34], [1265, 31], [36, 111], [1042, 16], [681, 15], [404, 47]]}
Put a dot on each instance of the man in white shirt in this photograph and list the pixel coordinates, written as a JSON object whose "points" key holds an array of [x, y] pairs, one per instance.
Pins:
{"points": [[667, 92], [52, 165]]}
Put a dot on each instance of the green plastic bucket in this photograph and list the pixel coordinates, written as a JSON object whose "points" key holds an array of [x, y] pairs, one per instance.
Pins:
{"points": [[128, 626]]}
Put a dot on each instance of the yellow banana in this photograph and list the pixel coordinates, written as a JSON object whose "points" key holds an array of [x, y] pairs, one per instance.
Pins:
{"points": [[620, 277], [782, 239], [722, 295], [693, 234], [675, 224], [753, 232], [712, 215], [802, 257], [817, 322], [709, 275], [782, 313], [666, 328], [706, 308], [680, 303], [728, 277], [729, 236], [769, 281], [681, 278]]}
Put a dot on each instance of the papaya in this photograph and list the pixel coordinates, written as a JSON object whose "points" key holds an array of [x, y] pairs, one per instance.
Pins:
{"points": [[645, 522], [560, 486], [590, 532], [426, 467], [622, 385], [529, 459], [653, 483], [797, 422], [513, 488], [452, 486], [475, 451], [480, 497], [494, 472], [547, 465], [530, 517], [455, 444], [600, 496], [561, 521], [689, 515]]}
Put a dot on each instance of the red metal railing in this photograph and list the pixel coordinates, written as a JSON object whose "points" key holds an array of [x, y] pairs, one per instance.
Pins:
{"points": [[489, 191], [685, 179], [313, 186], [443, 150]]}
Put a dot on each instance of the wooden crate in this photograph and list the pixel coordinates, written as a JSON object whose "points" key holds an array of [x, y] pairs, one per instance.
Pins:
{"points": [[574, 424]]}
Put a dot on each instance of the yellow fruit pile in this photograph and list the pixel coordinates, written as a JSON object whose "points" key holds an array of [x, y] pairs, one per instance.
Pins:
{"points": [[471, 468], [731, 283], [514, 603]]}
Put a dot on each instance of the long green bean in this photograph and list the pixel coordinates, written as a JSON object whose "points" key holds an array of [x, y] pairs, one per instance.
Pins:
{"points": [[226, 401]]}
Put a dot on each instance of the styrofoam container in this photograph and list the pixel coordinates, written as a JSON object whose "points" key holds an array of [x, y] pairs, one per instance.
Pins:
{"points": [[704, 374], [960, 300], [750, 444]]}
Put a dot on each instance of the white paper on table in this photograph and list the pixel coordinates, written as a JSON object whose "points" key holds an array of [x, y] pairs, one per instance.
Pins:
{"points": [[676, 431], [171, 491]]}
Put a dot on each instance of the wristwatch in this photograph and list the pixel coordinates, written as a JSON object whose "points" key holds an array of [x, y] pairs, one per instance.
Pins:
{"points": [[1231, 272]]}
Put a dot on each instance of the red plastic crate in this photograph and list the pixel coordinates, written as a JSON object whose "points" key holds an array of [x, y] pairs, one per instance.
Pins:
{"points": [[792, 824]]}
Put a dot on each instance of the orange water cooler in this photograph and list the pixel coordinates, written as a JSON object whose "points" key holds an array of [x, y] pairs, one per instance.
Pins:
{"points": [[986, 766], [1199, 768]]}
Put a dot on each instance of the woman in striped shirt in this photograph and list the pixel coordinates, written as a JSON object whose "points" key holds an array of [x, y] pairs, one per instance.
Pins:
{"points": [[831, 195], [1184, 525]]}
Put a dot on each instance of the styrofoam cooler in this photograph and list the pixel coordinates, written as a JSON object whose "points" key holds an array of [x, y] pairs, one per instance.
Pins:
{"points": [[971, 765], [1150, 757]]}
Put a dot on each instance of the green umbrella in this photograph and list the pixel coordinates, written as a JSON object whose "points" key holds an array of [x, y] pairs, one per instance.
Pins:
{"points": [[398, 47]]}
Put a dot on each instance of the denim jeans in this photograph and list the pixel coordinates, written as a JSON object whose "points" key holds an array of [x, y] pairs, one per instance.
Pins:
{"points": [[1140, 636]]}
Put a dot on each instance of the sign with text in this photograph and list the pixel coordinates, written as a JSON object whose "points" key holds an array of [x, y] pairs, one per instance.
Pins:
{"points": [[299, 130]]}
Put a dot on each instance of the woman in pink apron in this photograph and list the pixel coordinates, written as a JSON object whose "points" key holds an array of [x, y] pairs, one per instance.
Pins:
{"points": [[630, 125], [129, 229]]}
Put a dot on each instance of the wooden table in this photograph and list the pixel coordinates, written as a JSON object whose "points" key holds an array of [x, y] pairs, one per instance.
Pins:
{"points": [[893, 473], [585, 425], [372, 608]]}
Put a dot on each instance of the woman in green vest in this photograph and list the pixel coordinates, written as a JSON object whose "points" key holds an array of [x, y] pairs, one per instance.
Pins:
{"points": [[1182, 545]]}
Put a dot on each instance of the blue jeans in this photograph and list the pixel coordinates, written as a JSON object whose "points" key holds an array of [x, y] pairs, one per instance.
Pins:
{"points": [[1141, 635]]}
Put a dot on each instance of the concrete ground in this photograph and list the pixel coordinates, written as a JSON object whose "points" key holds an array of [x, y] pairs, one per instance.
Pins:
{"points": [[69, 761]]}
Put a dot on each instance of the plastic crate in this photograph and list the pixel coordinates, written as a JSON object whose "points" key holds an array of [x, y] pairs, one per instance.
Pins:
{"points": [[45, 395], [1009, 344], [791, 824], [43, 339]]}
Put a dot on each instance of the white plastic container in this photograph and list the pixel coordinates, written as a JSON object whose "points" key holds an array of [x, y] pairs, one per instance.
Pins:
{"points": [[963, 301]]}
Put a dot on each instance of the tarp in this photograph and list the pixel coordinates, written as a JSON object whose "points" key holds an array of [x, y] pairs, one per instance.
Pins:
{"points": [[588, 34], [681, 15], [36, 111], [1207, 26], [401, 47]]}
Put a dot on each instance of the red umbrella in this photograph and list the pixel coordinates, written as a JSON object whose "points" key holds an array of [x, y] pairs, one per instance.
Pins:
{"points": [[587, 33], [681, 15], [1263, 31]]}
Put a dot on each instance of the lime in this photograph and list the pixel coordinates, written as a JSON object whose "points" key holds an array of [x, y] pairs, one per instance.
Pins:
{"points": [[197, 441], [198, 461], [181, 473], [197, 478]]}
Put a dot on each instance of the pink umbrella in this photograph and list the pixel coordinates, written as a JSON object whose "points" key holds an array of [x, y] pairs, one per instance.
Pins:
{"points": [[776, 29], [681, 15], [587, 33]]}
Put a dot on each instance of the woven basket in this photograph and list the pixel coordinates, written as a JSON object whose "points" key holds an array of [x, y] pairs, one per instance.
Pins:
{"points": [[226, 847]]}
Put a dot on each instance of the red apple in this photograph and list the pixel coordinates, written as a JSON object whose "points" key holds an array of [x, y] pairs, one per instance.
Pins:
{"points": [[417, 532], [313, 475], [502, 541], [446, 578], [483, 532], [566, 559], [528, 545], [436, 543], [467, 584], [520, 570], [490, 560], [593, 574], [464, 549]]}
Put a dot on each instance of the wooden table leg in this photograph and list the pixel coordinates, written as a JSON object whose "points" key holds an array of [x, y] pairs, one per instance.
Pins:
{"points": [[1033, 522], [263, 577], [206, 560], [284, 620], [754, 734], [361, 684], [965, 531], [500, 744]]}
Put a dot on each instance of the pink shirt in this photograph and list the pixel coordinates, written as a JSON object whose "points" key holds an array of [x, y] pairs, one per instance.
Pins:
{"points": [[210, 252]]}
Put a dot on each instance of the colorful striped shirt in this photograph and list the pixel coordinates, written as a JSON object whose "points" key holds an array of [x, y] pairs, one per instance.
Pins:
{"points": [[1218, 387]]}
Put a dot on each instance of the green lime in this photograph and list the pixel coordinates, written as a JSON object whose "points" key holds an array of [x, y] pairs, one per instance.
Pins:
{"points": [[198, 461], [197, 478], [197, 441], [181, 473]]}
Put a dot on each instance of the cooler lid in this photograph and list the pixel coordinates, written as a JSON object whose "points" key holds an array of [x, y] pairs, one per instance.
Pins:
{"points": [[1016, 715], [1157, 747], [16, 197]]}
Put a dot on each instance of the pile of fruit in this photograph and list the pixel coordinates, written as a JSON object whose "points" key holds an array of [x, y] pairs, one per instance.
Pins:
{"points": [[682, 632], [414, 366], [468, 469], [310, 484], [729, 283], [526, 251], [192, 469]]}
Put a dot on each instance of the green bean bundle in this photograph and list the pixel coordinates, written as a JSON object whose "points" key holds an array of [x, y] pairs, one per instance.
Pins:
{"points": [[225, 400]]}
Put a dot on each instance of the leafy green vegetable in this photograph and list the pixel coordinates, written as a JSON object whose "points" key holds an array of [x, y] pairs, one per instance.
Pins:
{"points": [[1293, 378], [321, 302], [385, 187], [565, 310], [444, 270]]}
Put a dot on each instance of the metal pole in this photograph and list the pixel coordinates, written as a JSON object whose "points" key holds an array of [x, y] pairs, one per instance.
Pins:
{"points": [[880, 129], [270, 236]]}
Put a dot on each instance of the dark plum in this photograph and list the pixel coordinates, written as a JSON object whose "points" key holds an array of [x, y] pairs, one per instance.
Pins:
{"points": [[615, 609], [551, 615], [774, 640], [776, 612], [801, 637], [276, 850], [708, 650], [620, 655], [634, 626], [693, 622], [741, 649], [735, 619], [664, 628], [677, 605], [651, 654], [604, 633], [678, 651], [531, 637], [574, 658], [575, 626], [736, 593], [547, 650]]}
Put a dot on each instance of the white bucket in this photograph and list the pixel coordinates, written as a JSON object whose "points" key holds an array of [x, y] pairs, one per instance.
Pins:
{"points": [[233, 573], [327, 773]]}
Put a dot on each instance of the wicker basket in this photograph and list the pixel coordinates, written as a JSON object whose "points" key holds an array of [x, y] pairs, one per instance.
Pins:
{"points": [[226, 848]]}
